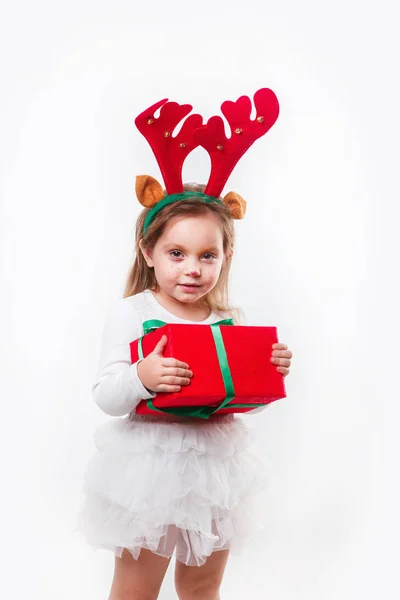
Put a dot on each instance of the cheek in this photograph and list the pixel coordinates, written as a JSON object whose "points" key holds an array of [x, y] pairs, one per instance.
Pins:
{"points": [[213, 273], [173, 271], [166, 269]]}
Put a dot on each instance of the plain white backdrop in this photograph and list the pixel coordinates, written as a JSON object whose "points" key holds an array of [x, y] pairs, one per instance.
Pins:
{"points": [[316, 256]]}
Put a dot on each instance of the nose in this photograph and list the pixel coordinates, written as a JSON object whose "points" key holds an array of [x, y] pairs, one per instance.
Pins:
{"points": [[193, 271]]}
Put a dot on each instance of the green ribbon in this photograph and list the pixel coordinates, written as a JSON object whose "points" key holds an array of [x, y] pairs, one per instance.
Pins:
{"points": [[202, 412], [170, 198]]}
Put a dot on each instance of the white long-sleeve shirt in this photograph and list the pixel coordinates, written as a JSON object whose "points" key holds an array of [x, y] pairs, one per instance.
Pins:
{"points": [[117, 389]]}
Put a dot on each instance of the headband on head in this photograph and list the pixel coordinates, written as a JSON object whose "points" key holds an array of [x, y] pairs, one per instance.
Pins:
{"points": [[171, 152]]}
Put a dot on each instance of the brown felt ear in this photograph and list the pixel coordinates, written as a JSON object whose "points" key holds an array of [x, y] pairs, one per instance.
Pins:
{"points": [[236, 205], [148, 190]]}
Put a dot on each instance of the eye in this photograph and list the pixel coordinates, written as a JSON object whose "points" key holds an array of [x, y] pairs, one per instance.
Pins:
{"points": [[175, 252], [209, 256]]}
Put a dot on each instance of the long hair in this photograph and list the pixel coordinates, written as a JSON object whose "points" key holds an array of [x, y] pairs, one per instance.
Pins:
{"points": [[141, 277]]}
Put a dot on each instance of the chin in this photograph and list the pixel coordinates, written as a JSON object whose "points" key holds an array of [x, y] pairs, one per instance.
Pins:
{"points": [[190, 297]]}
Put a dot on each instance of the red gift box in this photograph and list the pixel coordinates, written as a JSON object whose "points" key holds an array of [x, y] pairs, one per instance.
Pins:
{"points": [[246, 352]]}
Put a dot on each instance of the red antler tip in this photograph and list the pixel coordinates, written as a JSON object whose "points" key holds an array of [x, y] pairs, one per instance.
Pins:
{"points": [[225, 153], [170, 151]]}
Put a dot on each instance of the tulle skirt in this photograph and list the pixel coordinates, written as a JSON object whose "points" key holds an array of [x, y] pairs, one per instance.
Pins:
{"points": [[183, 487]]}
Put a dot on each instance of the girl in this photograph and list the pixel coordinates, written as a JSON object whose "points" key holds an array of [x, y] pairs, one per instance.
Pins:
{"points": [[163, 485]]}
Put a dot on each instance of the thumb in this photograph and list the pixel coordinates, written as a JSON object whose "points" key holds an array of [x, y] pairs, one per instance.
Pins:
{"points": [[160, 347]]}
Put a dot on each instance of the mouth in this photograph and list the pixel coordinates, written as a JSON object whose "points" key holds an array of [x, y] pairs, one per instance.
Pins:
{"points": [[189, 287]]}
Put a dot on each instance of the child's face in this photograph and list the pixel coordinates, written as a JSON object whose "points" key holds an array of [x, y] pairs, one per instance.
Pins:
{"points": [[188, 257]]}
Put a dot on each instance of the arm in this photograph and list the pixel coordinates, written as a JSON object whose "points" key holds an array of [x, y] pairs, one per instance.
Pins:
{"points": [[117, 389]]}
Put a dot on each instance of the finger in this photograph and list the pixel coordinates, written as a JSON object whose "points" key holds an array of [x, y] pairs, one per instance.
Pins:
{"points": [[177, 371], [282, 353], [160, 346], [173, 362], [163, 387], [175, 380], [284, 371], [280, 361]]}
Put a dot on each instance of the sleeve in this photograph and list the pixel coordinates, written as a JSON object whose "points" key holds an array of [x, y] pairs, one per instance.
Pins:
{"points": [[117, 389]]}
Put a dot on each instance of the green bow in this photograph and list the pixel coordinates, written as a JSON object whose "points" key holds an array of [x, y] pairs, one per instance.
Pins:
{"points": [[202, 412]]}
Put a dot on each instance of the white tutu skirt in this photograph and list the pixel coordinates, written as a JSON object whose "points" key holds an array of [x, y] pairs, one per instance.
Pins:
{"points": [[183, 487]]}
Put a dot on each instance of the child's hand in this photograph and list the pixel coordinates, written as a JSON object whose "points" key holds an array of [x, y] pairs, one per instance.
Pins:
{"points": [[281, 356], [159, 374]]}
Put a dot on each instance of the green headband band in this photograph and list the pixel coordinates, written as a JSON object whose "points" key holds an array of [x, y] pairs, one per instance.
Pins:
{"points": [[174, 198]]}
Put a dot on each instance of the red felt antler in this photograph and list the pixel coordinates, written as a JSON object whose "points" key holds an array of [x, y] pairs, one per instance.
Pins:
{"points": [[224, 152], [170, 152]]}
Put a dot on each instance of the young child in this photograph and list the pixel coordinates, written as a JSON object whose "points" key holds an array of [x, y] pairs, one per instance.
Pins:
{"points": [[159, 486]]}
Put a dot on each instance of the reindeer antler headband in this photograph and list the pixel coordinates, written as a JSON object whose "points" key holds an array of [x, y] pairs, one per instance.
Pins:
{"points": [[171, 152]]}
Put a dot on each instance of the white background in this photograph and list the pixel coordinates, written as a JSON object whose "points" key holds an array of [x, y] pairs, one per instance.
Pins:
{"points": [[316, 256]]}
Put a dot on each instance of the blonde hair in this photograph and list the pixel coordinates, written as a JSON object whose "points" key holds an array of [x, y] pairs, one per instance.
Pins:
{"points": [[141, 277]]}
